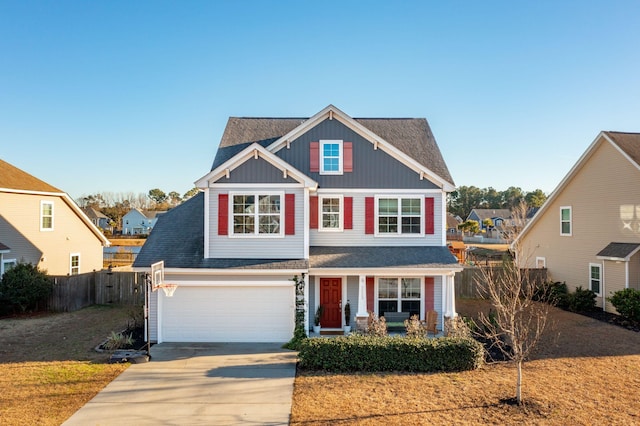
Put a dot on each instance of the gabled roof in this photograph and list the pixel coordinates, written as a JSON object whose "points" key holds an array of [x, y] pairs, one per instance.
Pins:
{"points": [[402, 257], [491, 213], [628, 144], [4, 249], [93, 213], [410, 139], [13, 178], [453, 221]]}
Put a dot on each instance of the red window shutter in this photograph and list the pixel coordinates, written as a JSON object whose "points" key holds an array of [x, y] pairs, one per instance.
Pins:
{"points": [[429, 219], [348, 212], [223, 214], [314, 157], [313, 212], [369, 215], [290, 214], [428, 293], [347, 160], [370, 294]]}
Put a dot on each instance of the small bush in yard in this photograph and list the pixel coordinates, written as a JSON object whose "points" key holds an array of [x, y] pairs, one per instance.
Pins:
{"points": [[375, 353], [118, 341], [25, 285], [557, 294], [377, 326], [582, 300], [627, 303], [414, 327]]}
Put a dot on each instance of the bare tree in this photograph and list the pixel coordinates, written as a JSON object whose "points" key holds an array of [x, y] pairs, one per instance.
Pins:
{"points": [[517, 319]]}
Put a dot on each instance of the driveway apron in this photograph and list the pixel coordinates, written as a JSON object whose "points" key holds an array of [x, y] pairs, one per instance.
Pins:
{"points": [[198, 384]]}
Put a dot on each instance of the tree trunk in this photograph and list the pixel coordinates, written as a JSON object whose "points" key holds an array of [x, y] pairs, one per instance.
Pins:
{"points": [[519, 384]]}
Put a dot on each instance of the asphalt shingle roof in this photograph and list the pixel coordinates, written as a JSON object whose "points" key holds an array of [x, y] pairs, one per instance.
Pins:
{"points": [[12, 177], [628, 142], [380, 257], [618, 250], [412, 136]]}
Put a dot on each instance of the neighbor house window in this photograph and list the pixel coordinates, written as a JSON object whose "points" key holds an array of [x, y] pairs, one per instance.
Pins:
{"points": [[399, 216], [541, 262], [75, 264], [399, 295], [331, 157], [257, 214], [595, 277], [565, 220], [46, 216], [331, 213], [7, 264]]}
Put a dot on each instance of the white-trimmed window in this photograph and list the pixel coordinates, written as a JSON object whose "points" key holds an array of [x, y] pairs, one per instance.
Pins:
{"points": [[330, 213], [257, 214], [565, 221], [46, 215], [399, 295], [7, 264], [595, 277], [541, 262], [331, 160], [398, 215], [74, 264]]}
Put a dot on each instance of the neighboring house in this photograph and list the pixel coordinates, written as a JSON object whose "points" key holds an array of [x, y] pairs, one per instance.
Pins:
{"points": [[9, 263], [587, 233], [356, 205], [98, 218], [499, 217], [43, 226], [139, 222]]}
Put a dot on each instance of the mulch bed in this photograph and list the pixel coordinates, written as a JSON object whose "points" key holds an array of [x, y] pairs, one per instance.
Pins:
{"points": [[612, 319]]}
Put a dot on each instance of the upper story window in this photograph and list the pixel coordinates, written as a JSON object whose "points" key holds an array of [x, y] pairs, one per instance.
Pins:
{"points": [[257, 214], [399, 216], [46, 216], [331, 213], [6, 265], [565, 221], [74, 268], [331, 157]]}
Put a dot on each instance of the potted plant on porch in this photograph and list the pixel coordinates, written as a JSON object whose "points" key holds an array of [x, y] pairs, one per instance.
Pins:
{"points": [[347, 318], [316, 319]]}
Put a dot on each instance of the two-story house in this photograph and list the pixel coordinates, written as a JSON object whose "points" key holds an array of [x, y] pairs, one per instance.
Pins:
{"points": [[356, 205], [587, 233], [42, 225], [139, 222]]}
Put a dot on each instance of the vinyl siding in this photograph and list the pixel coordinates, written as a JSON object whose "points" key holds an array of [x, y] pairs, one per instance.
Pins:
{"points": [[596, 193], [285, 247], [20, 230], [634, 272], [368, 164], [256, 171], [357, 236], [614, 279], [353, 282]]}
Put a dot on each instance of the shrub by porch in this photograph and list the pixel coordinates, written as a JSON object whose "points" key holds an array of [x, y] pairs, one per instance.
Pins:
{"points": [[373, 353]]}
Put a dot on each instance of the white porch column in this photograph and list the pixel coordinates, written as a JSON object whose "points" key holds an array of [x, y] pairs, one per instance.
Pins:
{"points": [[449, 296], [362, 297], [306, 303]]}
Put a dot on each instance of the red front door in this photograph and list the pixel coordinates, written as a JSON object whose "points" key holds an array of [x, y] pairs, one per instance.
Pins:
{"points": [[331, 300]]}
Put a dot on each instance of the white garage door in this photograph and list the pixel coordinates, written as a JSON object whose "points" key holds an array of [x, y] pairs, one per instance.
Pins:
{"points": [[228, 314]]}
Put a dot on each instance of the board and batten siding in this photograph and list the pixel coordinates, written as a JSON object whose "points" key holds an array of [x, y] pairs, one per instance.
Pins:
{"points": [[371, 167], [357, 235], [598, 194], [280, 247]]}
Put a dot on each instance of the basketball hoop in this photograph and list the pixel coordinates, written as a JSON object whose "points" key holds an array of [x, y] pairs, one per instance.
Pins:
{"points": [[157, 275], [169, 289]]}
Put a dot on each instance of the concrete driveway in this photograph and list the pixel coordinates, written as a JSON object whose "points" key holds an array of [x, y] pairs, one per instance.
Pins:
{"points": [[199, 384]]}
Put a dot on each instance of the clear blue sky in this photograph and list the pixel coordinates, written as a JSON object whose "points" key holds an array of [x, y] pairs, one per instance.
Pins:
{"points": [[126, 96]]}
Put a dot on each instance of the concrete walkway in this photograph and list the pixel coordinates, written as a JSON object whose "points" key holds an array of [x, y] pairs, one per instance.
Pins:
{"points": [[198, 384]]}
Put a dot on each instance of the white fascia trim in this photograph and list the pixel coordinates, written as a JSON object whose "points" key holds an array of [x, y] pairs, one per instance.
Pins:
{"points": [[365, 133], [384, 271], [249, 152], [381, 191], [228, 271], [558, 190], [28, 192], [206, 219], [250, 186], [256, 283]]}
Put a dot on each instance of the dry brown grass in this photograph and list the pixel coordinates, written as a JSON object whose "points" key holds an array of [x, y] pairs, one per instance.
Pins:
{"points": [[585, 372], [48, 368]]}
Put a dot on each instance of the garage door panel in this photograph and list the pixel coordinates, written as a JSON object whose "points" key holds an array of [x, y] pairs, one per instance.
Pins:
{"points": [[228, 314]]}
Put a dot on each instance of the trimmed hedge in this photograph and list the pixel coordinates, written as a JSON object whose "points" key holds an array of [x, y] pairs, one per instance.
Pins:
{"points": [[375, 353], [627, 303]]}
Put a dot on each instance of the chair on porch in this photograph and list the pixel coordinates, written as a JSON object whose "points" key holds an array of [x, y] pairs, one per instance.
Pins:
{"points": [[430, 323]]}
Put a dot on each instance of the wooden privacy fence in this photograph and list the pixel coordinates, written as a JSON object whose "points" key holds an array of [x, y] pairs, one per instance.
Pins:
{"points": [[466, 282], [74, 292]]}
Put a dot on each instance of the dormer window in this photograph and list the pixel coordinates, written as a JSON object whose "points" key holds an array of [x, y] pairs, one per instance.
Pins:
{"points": [[331, 157]]}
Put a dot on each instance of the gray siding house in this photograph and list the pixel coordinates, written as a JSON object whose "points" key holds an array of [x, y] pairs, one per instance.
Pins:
{"points": [[356, 206]]}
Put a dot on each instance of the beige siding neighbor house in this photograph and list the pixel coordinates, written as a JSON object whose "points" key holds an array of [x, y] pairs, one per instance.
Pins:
{"points": [[588, 231], [42, 225]]}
